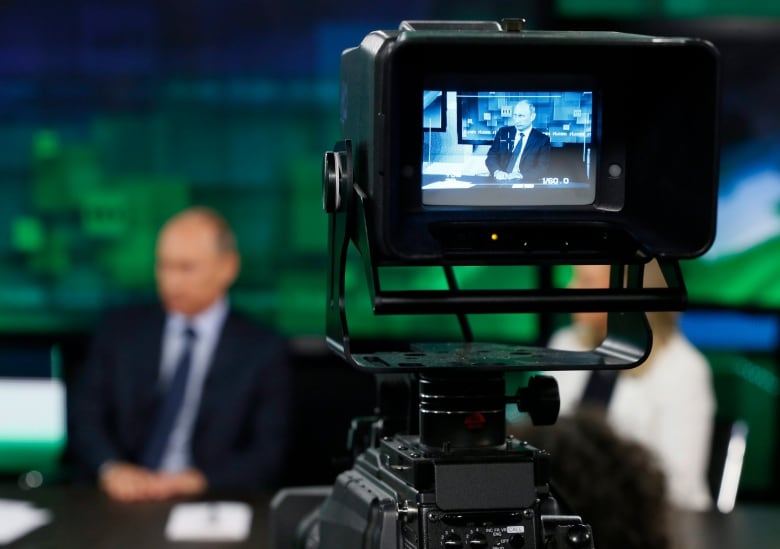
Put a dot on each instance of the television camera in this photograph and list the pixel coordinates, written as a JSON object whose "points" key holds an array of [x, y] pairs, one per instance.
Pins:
{"points": [[625, 141]]}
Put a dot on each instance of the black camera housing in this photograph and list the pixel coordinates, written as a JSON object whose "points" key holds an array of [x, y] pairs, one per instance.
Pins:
{"points": [[650, 189], [455, 480], [654, 145], [649, 192]]}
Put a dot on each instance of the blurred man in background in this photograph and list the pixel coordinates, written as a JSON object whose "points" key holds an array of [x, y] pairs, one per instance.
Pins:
{"points": [[190, 396]]}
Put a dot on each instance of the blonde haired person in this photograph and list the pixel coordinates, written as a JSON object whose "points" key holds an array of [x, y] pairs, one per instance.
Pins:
{"points": [[667, 403]]}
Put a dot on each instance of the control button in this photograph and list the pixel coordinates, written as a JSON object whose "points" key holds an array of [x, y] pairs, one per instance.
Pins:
{"points": [[478, 541], [615, 171], [517, 541], [452, 541]]}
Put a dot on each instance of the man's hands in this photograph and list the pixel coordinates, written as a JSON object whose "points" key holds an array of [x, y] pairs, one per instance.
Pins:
{"points": [[500, 175], [128, 482]]}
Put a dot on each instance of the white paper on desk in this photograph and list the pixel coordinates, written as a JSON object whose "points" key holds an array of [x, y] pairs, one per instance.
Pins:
{"points": [[17, 518], [209, 521], [448, 184]]}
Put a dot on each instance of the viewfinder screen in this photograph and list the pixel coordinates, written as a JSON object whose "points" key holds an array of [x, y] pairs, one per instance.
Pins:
{"points": [[520, 148]]}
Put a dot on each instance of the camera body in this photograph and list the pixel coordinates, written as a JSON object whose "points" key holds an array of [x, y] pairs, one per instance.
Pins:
{"points": [[401, 494], [431, 173], [638, 110], [450, 486]]}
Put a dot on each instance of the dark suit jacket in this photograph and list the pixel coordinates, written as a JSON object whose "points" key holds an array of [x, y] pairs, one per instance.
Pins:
{"points": [[534, 163], [240, 434]]}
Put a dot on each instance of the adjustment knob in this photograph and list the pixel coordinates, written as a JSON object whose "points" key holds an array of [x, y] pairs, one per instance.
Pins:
{"points": [[541, 400], [331, 199], [579, 536], [517, 541], [336, 176]]}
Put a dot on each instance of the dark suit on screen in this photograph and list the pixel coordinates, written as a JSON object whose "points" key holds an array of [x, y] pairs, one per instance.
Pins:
{"points": [[241, 428], [535, 161]]}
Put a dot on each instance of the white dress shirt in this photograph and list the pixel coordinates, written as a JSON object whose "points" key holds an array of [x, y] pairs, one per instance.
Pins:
{"points": [[669, 409]]}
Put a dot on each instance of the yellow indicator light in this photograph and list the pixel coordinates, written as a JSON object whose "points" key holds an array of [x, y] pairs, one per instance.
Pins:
{"points": [[494, 236]]}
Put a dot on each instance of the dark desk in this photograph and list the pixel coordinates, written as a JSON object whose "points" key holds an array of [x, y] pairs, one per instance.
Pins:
{"points": [[749, 526], [84, 518]]}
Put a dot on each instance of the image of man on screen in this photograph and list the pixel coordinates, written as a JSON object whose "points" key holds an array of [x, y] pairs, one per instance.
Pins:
{"points": [[520, 152]]}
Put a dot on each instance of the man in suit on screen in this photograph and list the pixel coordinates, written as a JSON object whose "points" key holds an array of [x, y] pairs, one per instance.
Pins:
{"points": [[189, 396], [519, 153]]}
